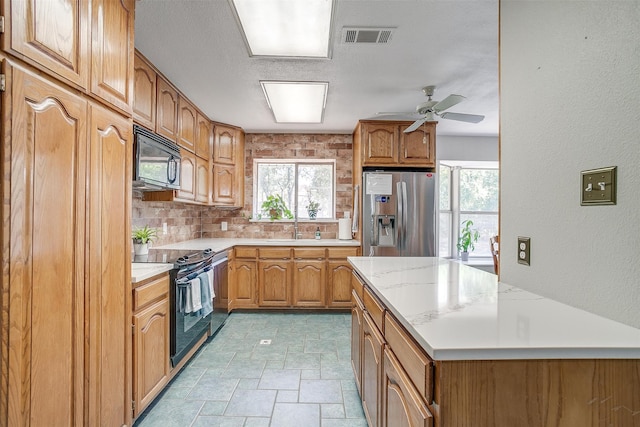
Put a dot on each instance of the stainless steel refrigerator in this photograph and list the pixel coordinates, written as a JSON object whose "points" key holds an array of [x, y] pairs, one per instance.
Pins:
{"points": [[399, 213]]}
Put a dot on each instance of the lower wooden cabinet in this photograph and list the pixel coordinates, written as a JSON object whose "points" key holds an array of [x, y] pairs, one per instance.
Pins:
{"points": [[309, 283], [274, 283], [151, 362], [357, 312], [401, 404], [372, 348]]}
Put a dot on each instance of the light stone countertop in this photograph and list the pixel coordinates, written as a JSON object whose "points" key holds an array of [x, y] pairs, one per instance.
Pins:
{"points": [[142, 270], [221, 244], [457, 312]]}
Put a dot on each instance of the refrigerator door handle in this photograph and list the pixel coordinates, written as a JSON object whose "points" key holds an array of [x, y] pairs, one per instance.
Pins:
{"points": [[401, 188]]}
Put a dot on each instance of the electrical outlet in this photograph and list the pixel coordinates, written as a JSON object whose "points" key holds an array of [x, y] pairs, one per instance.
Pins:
{"points": [[164, 228], [524, 250], [223, 225]]}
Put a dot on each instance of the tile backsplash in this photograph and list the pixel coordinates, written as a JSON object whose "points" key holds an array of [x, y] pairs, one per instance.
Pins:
{"points": [[184, 221]]}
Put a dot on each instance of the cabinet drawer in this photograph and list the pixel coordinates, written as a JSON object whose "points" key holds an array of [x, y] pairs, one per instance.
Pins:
{"points": [[143, 295], [357, 285], [245, 252], [275, 253], [375, 309], [342, 252], [310, 253], [418, 366]]}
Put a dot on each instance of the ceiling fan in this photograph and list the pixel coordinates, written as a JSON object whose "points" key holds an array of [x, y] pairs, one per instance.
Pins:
{"points": [[430, 109]]}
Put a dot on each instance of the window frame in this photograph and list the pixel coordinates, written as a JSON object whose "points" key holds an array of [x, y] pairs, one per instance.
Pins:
{"points": [[255, 211]]}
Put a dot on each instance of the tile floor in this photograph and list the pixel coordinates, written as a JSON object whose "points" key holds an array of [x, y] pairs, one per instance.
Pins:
{"points": [[303, 378]]}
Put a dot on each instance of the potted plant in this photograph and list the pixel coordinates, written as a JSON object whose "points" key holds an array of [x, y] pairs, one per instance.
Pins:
{"points": [[276, 208], [312, 209], [141, 238], [468, 238]]}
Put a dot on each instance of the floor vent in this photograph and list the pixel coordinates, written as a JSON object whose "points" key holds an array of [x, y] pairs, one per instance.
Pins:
{"points": [[351, 35], [265, 342]]}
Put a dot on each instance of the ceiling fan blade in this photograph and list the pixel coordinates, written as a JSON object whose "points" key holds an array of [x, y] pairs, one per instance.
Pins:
{"points": [[448, 102], [469, 118], [415, 125]]}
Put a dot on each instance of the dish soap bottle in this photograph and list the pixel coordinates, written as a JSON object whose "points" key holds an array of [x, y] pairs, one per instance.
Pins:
{"points": [[318, 233]]}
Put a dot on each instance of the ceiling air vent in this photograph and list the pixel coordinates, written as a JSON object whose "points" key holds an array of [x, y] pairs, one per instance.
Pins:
{"points": [[367, 35]]}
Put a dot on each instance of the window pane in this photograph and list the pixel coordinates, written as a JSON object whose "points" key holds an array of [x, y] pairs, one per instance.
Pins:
{"points": [[274, 178], [479, 190], [315, 189], [487, 226], [445, 188], [444, 245]]}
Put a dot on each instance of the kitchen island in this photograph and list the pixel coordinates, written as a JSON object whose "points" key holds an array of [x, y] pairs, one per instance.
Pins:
{"points": [[440, 343]]}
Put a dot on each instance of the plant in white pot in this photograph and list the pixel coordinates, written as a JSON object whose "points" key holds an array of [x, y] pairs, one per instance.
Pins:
{"points": [[141, 238], [468, 237]]}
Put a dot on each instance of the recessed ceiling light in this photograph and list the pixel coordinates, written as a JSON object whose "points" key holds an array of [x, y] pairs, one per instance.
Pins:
{"points": [[296, 102], [286, 27]]}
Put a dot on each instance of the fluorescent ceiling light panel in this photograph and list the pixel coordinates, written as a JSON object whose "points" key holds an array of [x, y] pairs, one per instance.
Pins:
{"points": [[296, 102], [299, 28]]}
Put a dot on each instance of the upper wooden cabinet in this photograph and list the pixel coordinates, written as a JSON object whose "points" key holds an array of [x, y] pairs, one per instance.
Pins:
{"points": [[228, 166], [166, 109], [203, 137], [187, 124], [225, 142], [384, 143], [144, 96], [112, 51], [92, 52]]}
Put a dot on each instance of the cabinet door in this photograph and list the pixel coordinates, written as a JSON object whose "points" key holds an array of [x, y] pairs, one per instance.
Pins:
{"points": [[108, 223], [339, 283], [418, 147], [243, 284], [187, 176], [54, 35], [309, 283], [357, 312], [224, 145], [202, 180], [45, 289], [222, 292], [187, 124], [144, 93], [150, 353], [166, 110], [274, 283], [401, 404], [372, 346], [380, 144], [112, 51], [203, 137], [224, 179]]}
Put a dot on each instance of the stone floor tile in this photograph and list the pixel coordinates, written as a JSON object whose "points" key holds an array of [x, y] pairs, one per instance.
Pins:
{"points": [[216, 421], [287, 396], [302, 361], [257, 422], [332, 410], [280, 379], [251, 403], [320, 391], [295, 415], [214, 407]]}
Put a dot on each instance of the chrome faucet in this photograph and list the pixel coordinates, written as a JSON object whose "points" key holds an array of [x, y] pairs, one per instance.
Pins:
{"points": [[296, 234]]}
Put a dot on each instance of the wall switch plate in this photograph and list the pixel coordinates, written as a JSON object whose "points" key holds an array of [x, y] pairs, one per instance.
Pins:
{"points": [[524, 250], [223, 225], [165, 230], [598, 186]]}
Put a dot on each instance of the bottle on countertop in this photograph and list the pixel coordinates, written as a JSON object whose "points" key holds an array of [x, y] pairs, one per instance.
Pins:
{"points": [[318, 233]]}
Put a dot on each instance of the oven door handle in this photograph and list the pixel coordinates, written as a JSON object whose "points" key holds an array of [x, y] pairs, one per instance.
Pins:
{"points": [[220, 261]]}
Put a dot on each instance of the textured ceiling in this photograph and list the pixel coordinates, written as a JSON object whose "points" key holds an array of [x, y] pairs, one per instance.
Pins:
{"points": [[451, 44]]}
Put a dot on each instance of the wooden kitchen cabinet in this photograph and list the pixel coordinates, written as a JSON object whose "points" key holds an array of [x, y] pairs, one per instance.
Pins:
{"points": [[187, 124], [144, 92], [274, 277], [372, 347], [87, 44], [309, 280], [67, 273], [204, 136], [357, 338], [339, 273], [384, 143], [243, 283], [188, 177], [151, 361], [166, 109], [401, 403], [203, 175], [228, 165]]}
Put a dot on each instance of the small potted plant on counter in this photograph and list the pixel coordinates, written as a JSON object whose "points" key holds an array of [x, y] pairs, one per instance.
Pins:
{"points": [[141, 238], [312, 209], [468, 238], [276, 208]]}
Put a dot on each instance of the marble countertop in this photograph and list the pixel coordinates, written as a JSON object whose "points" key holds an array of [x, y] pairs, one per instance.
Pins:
{"points": [[142, 271], [457, 312]]}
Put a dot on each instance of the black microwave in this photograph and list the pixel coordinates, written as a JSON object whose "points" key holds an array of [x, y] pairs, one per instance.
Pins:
{"points": [[156, 163]]}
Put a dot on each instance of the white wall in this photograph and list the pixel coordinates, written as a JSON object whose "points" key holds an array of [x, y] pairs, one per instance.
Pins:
{"points": [[473, 148], [570, 101]]}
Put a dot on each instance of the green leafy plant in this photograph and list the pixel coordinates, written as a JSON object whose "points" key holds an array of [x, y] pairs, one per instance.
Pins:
{"points": [[468, 236], [312, 208], [275, 207], [144, 235]]}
